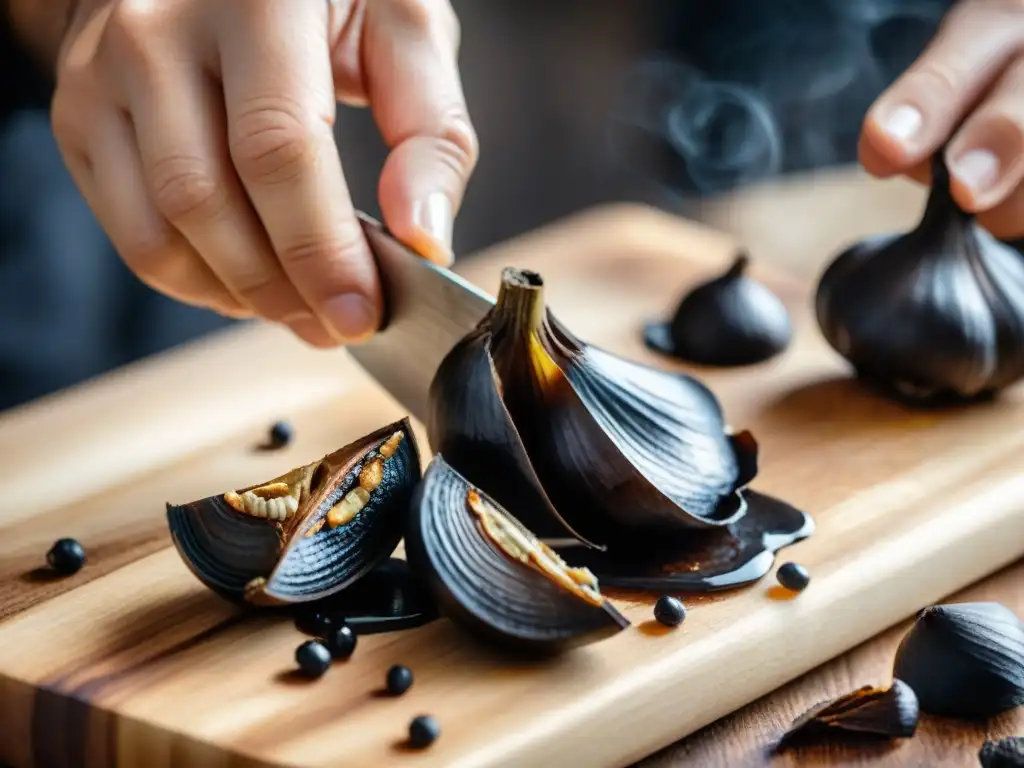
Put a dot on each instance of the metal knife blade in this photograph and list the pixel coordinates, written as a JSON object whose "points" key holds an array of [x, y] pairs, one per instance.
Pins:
{"points": [[427, 309]]}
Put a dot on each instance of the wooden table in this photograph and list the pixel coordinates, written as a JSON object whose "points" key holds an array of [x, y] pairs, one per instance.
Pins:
{"points": [[798, 224]]}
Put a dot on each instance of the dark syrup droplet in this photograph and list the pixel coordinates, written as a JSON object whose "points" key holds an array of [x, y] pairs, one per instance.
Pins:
{"points": [[669, 611], [423, 731], [281, 434], [705, 561], [313, 658], [399, 680], [66, 556], [793, 577]]}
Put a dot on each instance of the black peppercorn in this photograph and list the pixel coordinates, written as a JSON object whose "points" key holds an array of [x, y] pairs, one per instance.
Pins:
{"points": [[793, 576], [399, 680], [66, 556], [423, 731], [313, 658], [341, 641], [670, 611], [280, 434]]}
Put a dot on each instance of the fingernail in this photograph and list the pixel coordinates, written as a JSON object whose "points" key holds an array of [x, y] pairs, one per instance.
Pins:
{"points": [[903, 122], [977, 169], [433, 215], [351, 315]]}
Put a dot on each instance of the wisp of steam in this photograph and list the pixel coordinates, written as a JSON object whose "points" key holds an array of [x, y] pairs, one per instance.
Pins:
{"points": [[763, 88]]}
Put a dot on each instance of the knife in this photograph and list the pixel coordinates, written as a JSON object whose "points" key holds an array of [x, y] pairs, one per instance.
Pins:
{"points": [[427, 310]]}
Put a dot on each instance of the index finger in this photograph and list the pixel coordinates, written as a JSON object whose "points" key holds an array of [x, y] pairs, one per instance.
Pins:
{"points": [[279, 91]]}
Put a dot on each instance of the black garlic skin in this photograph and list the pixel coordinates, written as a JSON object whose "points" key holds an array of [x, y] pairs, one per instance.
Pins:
{"points": [[933, 315], [964, 660], [578, 442], [492, 576], [890, 713], [731, 320], [309, 533]]}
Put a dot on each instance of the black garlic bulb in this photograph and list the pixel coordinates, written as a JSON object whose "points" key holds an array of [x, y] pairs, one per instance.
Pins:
{"points": [[492, 576], [575, 441], [964, 660], [308, 533], [728, 321], [935, 314], [891, 713]]}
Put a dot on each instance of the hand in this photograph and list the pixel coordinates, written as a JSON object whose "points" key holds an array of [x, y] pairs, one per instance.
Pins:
{"points": [[200, 132], [966, 89]]}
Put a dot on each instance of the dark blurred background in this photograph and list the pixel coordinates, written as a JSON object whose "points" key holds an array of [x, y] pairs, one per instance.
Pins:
{"points": [[577, 102]]}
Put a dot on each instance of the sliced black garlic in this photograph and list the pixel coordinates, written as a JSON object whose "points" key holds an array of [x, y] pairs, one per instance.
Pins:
{"points": [[577, 441], [934, 314], [309, 533], [491, 575], [964, 660], [890, 713], [728, 321]]}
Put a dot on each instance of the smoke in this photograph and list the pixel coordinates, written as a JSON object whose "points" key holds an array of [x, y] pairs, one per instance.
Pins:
{"points": [[763, 88]]}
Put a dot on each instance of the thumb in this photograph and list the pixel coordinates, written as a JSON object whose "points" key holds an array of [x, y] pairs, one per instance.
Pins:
{"points": [[416, 96]]}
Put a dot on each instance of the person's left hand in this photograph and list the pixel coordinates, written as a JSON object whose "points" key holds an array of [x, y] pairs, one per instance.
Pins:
{"points": [[966, 91]]}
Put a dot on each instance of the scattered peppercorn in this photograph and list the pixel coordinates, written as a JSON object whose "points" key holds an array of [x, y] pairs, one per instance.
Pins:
{"points": [[670, 611], [793, 576], [313, 658], [341, 641], [280, 434], [399, 680], [66, 556], [423, 731], [317, 624]]}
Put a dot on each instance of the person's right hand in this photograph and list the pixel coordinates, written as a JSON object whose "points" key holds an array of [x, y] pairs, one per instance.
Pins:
{"points": [[200, 132]]}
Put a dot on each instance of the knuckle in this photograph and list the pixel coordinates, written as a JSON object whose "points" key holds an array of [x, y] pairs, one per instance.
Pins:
{"points": [[272, 141], [939, 80], [460, 147], [183, 188], [327, 262], [131, 29], [415, 15], [150, 256]]}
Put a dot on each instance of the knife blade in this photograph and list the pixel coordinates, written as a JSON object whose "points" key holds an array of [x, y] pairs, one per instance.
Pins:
{"points": [[427, 310]]}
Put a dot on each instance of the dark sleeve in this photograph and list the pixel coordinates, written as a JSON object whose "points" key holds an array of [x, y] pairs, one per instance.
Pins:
{"points": [[23, 85]]}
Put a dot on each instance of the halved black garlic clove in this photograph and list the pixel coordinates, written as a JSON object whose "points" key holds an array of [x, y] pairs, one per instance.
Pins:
{"points": [[578, 441], [891, 713], [964, 660], [728, 321], [309, 533], [495, 578], [935, 314]]}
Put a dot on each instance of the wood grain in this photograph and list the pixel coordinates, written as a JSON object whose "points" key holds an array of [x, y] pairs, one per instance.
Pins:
{"points": [[133, 662], [745, 739]]}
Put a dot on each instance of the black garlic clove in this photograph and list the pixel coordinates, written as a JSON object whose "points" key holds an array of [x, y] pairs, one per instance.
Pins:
{"points": [[579, 442], [890, 713], [494, 577], [308, 533], [1005, 753], [964, 660], [731, 320], [933, 315]]}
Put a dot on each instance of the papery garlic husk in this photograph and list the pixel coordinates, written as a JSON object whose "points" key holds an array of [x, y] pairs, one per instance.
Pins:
{"points": [[964, 660], [571, 438], [728, 321], [934, 314], [492, 576], [891, 713], [308, 533]]}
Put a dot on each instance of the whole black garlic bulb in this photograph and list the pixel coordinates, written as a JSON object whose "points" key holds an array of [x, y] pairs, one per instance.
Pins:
{"points": [[964, 660], [934, 314], [577, 442], [728, 321]]}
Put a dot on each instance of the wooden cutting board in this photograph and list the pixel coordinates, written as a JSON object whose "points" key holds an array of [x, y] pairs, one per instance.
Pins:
{"points": [[132, 662]]}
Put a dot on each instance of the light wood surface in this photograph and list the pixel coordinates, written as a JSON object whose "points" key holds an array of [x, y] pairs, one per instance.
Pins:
{"points": [[133, 662]]}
